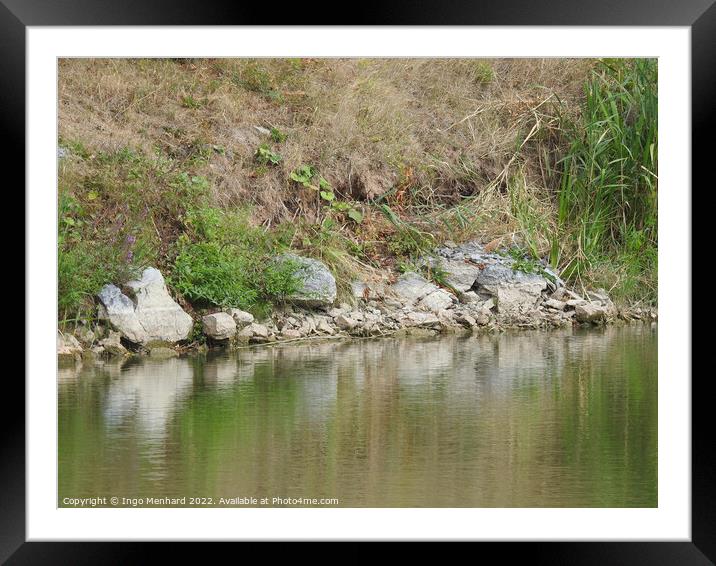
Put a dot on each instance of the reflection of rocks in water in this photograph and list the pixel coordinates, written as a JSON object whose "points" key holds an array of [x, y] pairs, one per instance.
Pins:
{"points": [[461, 368], [507, 361], [220, 371], [68, 372], [314, 369], [148, 390]]}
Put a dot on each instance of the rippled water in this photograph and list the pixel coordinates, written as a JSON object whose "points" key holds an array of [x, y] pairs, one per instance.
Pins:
{"points": [[560, 418]]}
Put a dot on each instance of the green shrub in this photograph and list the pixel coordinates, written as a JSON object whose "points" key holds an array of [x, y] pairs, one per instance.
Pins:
{"points": [[207, 272], [224, 261]]}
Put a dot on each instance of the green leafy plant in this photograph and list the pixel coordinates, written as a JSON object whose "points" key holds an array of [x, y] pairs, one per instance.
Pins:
{"points": [[525, 263], [304, 175], [277, 135], [264, 155], [189, 101]]}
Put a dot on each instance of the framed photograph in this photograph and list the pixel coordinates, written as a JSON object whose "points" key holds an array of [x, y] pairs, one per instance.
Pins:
{"points": [[380, 281]]}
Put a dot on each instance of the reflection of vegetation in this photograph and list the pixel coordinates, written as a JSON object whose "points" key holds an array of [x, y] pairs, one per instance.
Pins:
{"points": [[546, 419]]}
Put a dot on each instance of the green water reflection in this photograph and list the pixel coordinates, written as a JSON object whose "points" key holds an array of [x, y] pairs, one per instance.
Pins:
{"points": [[558, 419]]}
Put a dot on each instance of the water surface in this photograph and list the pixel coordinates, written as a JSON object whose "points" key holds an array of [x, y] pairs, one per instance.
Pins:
{"points": [[558, 419]]}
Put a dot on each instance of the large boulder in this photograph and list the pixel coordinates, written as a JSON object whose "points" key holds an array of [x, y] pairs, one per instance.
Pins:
{"points": [[317, 286], [411, 287], [460, 275], [150, 315], [515, 291], [415, 290], [219, 326]]}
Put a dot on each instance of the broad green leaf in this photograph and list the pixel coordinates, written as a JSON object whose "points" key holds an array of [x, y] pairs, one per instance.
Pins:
{"points": [[355, 215]]}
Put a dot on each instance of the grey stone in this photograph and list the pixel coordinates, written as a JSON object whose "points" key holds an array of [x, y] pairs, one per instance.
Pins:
{"points": [[483, 317], [497, 275], [219, 326], [392, 303], [345, 323], [515, 291], [411, 287], [85, 335], [325, 328], [590, 312], [290, 333], [97, 350], [598, 295], [518, 298], [68, 347], [468, 297], [460, 274], [255, 330], [437, 300], [466, 320], [151, 315], [554, 304], [317, 284], [422, 319], [241, 318], [113, 345]]}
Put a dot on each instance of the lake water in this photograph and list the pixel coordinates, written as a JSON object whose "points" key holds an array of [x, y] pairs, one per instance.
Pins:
{"points": [[562, 418]]}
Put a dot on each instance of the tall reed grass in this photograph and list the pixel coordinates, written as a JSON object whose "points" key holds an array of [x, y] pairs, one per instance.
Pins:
{"points": [[607, 199]]}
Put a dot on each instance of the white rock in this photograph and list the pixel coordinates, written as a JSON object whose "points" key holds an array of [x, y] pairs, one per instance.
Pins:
{"points": [[437, 301], [68, 347], [460, 274], [411, 287], [219, 325], [241, 318], [257, 330], [415, 318], [152, 315], [519, 298]]}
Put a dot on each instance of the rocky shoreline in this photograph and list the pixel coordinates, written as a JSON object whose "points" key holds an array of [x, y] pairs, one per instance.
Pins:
{"points": [[479, 291]]}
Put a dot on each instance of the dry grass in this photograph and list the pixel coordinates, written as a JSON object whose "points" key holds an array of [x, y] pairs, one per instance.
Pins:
{"points": [[433, 131], [456, 148]]}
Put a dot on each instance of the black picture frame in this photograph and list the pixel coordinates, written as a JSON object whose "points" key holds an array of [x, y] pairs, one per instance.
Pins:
{"points": [[699, 15]]}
